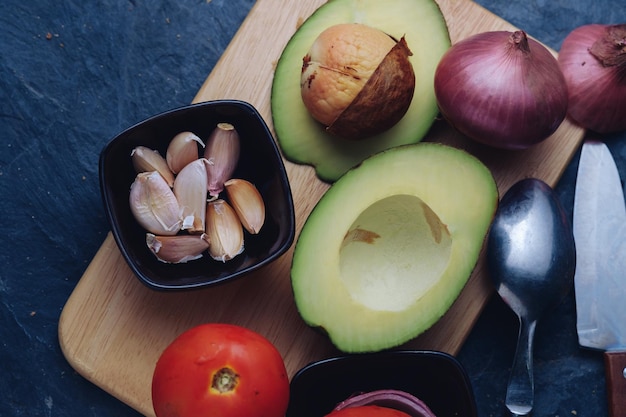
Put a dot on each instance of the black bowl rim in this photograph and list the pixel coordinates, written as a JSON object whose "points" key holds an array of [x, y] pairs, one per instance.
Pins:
{"points": [[111, 217], [362, 358]]}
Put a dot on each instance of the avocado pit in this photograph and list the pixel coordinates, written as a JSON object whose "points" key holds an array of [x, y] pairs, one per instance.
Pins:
{"points": [[357, 81]]}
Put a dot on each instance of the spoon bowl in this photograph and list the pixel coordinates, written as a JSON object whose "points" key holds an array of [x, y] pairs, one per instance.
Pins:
{"points": [[531, 259]]}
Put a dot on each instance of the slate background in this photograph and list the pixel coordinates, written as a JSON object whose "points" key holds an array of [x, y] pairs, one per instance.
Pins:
{"points": [[73, 74]]}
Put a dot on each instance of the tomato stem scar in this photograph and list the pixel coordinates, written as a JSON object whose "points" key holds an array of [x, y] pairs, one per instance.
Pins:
{"points": [[225, 380]]}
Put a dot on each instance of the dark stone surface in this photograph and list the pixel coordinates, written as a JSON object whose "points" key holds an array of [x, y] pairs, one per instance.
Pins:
{"points": [[72, 75]]}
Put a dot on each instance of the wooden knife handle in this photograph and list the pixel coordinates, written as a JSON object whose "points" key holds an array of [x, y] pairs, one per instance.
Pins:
{"points": [[615, 367]]}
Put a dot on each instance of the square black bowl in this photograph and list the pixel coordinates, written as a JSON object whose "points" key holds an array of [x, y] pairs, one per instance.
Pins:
{"points": [[436, 378], [260, 162]]}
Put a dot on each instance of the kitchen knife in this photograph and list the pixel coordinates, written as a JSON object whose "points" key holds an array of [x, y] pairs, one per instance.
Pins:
{"points": [[600, 279]]}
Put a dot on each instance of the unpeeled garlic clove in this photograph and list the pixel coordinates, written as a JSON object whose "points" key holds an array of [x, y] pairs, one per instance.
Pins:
{"points": [[148, 160], [247, 203], [224, 229], [154, 204], [222, 152], [177, 249], [182, 150], [191, 192]]}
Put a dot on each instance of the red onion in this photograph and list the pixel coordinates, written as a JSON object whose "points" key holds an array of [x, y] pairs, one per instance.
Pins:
{"points": [[396, 399], [593, 61], [502, 89]]}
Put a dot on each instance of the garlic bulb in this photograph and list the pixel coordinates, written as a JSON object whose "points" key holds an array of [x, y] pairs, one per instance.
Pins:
{"points": [[181, 193]]}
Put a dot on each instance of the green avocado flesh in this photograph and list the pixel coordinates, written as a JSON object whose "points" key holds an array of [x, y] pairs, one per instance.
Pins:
{"points": [[302, 139], [391, 244]]}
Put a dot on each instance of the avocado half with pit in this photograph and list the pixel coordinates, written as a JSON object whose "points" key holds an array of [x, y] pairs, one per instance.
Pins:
{"points": [[391, 244], [302, 139]]}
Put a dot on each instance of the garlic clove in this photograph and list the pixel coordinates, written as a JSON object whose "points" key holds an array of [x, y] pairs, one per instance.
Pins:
{"points": [[224, 230], [154, 204], [177, 249], [147, 160], [222, 153], [191, 192], [247, 203], [182, 150]]}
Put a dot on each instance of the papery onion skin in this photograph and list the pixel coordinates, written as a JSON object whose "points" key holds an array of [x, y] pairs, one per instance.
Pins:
{"points": [[597, 93], [502, 89], [389, 398]]}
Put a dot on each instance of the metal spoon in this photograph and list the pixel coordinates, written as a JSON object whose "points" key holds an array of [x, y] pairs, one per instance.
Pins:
{"points": [[531, 257]]}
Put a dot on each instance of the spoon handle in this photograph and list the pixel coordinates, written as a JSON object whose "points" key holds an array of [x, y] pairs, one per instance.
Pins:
{"points": [[520, 391]]}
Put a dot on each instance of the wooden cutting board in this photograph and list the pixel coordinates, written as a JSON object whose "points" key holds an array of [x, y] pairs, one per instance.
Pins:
{"points": [[113, 328]]}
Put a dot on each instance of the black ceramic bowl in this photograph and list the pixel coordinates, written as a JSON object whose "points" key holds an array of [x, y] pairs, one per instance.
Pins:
{"points": [[436, 378], [260, 163]]}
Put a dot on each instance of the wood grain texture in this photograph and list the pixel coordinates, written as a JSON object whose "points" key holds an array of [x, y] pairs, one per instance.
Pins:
{"points": [[615, 366], [112, 328]]}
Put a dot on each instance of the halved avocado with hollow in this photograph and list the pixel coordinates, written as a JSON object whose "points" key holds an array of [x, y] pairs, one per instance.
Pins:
{"points": [[391, 244], [302, 139]]}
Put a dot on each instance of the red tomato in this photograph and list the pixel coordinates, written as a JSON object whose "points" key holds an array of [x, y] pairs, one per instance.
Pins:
{"points": [[368, 411], [220, 370]]}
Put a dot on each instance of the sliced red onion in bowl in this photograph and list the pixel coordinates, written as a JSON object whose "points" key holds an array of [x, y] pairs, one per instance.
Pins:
{"points": [[396, 399]]}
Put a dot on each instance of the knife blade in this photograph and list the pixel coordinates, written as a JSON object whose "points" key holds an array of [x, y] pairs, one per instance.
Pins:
{"points": [[600, 279]]}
